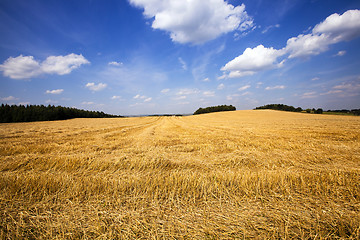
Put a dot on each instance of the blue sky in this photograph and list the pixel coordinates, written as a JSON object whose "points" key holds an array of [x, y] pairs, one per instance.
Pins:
{"points": [[156, 56]]}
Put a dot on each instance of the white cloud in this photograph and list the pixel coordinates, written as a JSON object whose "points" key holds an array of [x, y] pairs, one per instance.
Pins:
{"points": [[116, 98], [306, 45], [341, 53], [21, 67], [245, 94], [275, 87], [309, 95], [166, 90], [9, 98], [244, 87], [94, 87], [187, 91], [339, 28], [57, 91], [49, 101], [138, 96], [206, 80], [148, 99], [315, 79], [88, 103], [335, 28], [332, 92], [195, 21], [117, 64], [180, 98], [209, 93], [270, 27], [24, 103], [253, 60], [259, 84], [183, 63], [232, 96], [24, 67], [62, 65], [221, 86]]}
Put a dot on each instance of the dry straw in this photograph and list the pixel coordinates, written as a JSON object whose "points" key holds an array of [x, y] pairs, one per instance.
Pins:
{"points": [[244, 174]]}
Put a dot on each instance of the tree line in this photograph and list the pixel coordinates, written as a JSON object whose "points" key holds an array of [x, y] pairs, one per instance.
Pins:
{"points": [[31, 113], [283, 107], [219, 108]]}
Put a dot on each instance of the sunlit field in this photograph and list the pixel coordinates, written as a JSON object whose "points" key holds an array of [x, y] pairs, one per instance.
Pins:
{"points": [[229, 175]]}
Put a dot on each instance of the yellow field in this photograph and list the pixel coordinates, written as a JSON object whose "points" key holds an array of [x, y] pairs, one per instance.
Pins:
{"points": [[230, 175]]}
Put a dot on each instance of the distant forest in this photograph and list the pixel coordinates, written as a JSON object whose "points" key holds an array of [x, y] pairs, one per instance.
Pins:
{"points": [[215, 109], [31, 113], [283, 107]]}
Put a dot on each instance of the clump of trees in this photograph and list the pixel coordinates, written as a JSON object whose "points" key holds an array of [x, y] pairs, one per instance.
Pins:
{"points": [[355, 112], [219, 108], [283, 107], [31, 113]]}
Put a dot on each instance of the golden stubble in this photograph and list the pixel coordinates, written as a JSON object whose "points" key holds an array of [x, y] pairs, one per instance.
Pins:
{"points": [[229, 175]]}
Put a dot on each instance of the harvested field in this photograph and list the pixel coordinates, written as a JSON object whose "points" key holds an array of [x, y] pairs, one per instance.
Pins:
{"points": [[229, 175]]}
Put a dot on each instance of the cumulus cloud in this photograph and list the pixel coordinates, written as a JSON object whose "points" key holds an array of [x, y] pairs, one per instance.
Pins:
{"points": [[335, 28], [166, 90], [221, 86], [62, 65], [275, 87], [24, 67], [253, 60], [339, 28], [56, 91], [148, 99], [93, 87], [195, 21], [206, 80], [306, 45]]}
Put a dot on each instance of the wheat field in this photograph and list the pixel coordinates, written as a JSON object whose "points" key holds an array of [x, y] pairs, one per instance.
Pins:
{"points": [[231, 175]]}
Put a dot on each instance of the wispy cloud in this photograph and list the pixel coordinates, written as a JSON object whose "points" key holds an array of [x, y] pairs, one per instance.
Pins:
{"points": [[244, 88], [221, 86], [183, 63], [9, 98], [116, 98], [209, 93], [340, 53], [275, 87], [117, 64]]}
